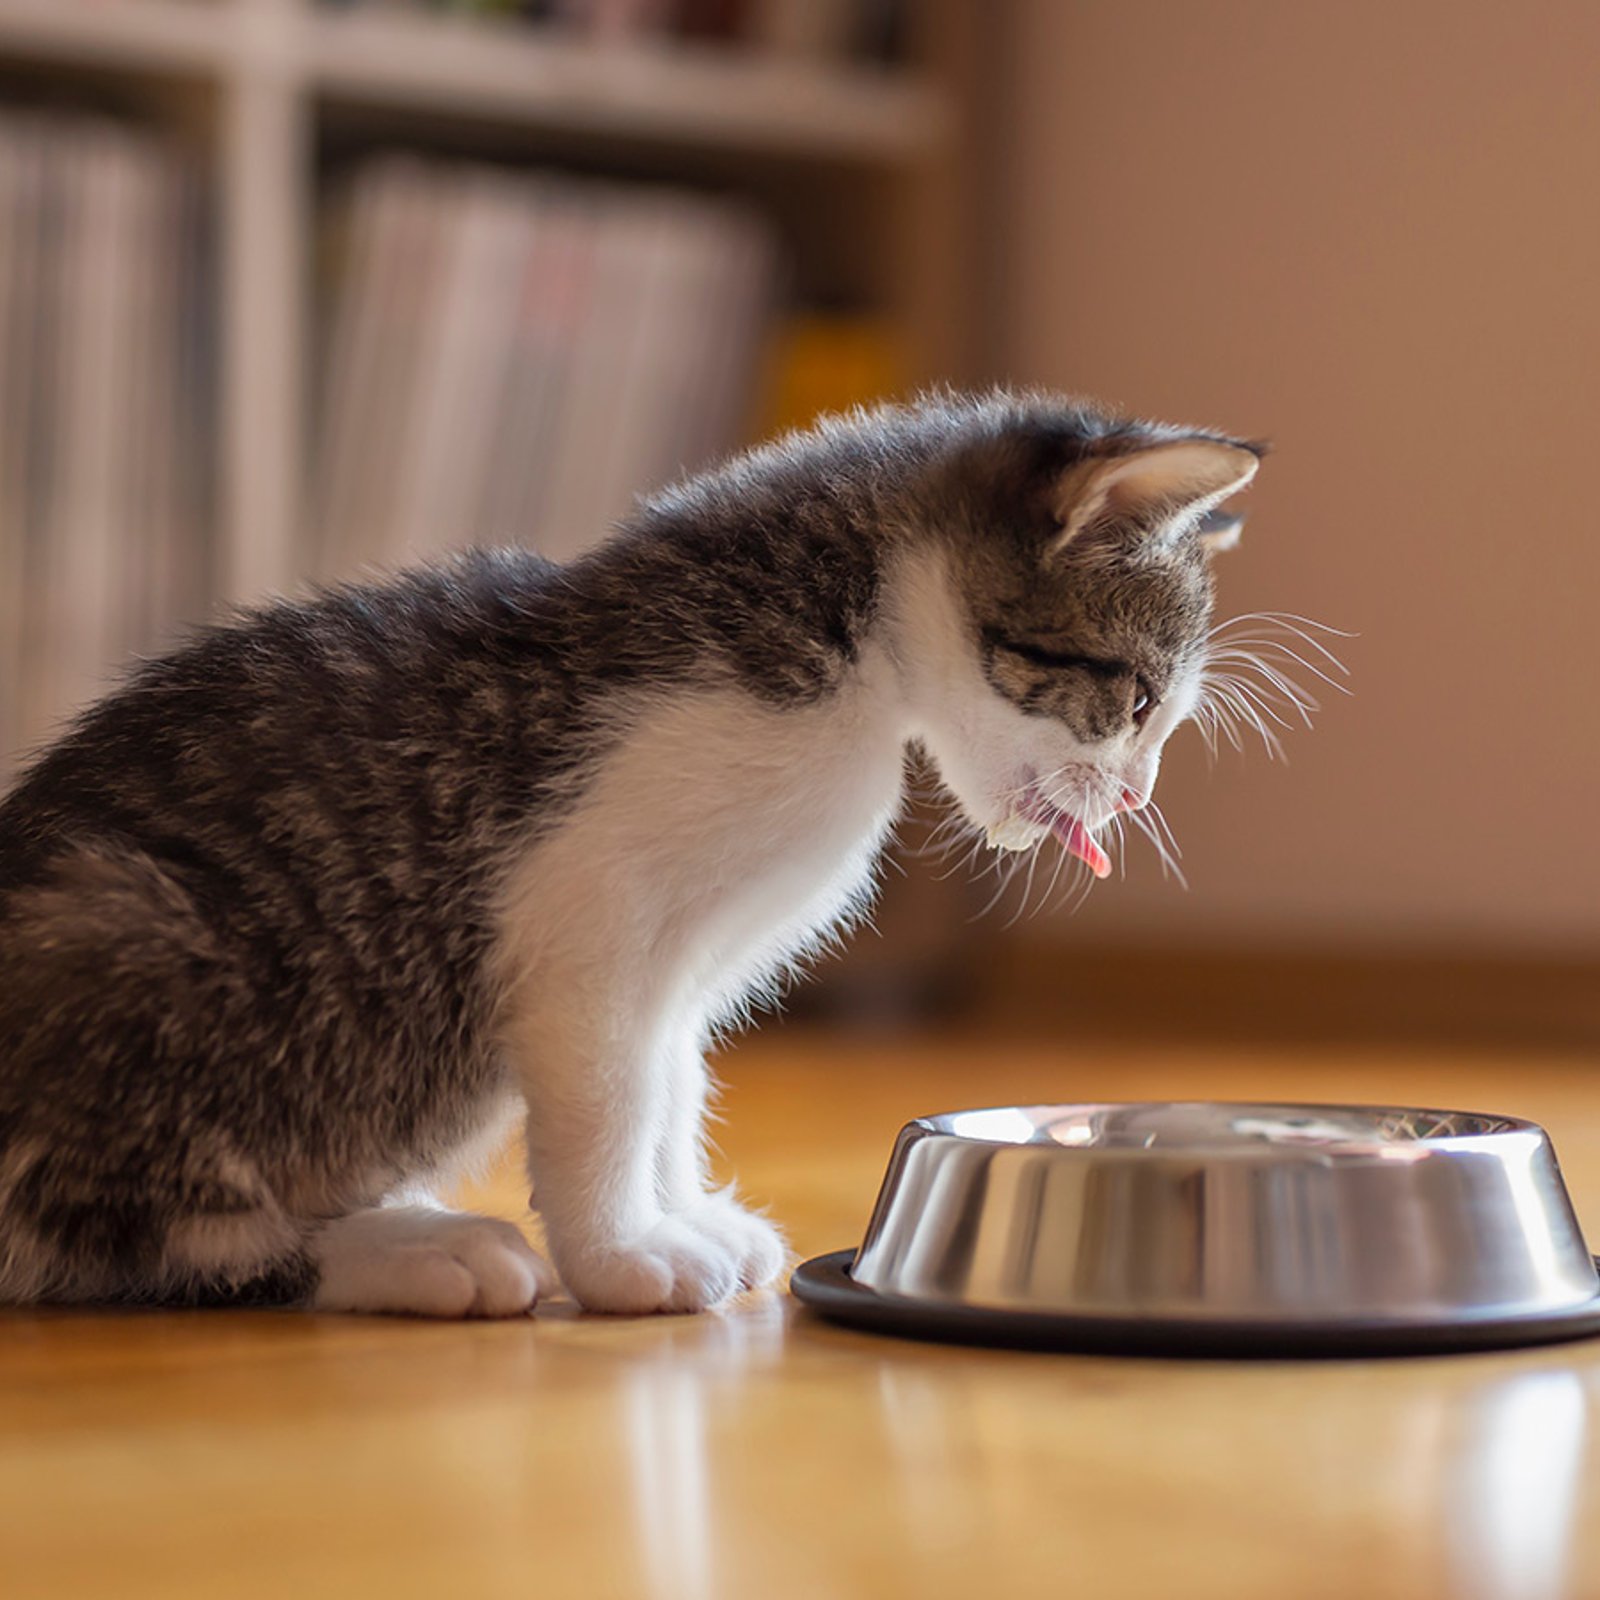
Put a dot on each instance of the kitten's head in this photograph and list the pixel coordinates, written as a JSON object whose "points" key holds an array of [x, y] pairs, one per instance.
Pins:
{"points": [[1076, 598]]}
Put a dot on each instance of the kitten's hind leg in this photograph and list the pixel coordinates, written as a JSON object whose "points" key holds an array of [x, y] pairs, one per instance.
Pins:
{"points": [[177, 1225], [406, 1259], [423, 1261]]}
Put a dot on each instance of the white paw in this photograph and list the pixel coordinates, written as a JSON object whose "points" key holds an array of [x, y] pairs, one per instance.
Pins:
{"points": [[673, 1266], [413, 1259], [756, 1245]]}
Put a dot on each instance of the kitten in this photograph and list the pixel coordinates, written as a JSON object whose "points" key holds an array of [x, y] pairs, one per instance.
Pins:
{"points": [[298, 919]]}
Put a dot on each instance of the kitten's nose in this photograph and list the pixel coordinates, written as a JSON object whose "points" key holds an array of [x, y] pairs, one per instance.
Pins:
{"points": [[1131, 800]]}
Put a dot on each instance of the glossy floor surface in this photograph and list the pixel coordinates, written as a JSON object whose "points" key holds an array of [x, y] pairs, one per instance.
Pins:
{"points": [[761, 1454]]}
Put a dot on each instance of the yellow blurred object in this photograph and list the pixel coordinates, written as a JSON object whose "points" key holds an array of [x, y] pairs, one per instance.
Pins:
{"points": [[819, 362]]}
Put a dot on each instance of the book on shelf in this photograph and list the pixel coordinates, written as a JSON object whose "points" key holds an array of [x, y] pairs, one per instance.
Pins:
{"points": [[513, 359], [99, 413]]}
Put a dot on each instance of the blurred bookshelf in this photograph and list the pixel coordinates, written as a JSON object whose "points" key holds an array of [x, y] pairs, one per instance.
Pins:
{"points": [[270, 99]]}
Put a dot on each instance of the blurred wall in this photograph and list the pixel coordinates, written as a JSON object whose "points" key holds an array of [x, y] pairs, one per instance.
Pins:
{"points": [[1370, 232]]}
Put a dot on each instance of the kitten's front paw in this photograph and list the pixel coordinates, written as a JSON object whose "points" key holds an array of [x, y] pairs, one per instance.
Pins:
{"points": [[672, 1267], [756, 1245]]}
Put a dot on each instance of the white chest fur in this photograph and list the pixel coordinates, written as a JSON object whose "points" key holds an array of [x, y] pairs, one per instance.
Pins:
{"points": [[720, 840]]}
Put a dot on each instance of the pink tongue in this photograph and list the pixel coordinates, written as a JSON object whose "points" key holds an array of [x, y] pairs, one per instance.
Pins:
{"points": [[1076, 841]]}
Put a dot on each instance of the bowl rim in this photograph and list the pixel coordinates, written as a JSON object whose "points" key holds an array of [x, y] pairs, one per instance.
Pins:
{"points": [[1495, 1126]]}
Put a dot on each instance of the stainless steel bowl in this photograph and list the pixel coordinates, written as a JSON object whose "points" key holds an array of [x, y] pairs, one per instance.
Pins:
{"points": [[1219, 1226]]}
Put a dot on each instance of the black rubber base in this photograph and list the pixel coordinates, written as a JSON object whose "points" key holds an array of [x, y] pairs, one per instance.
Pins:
{"points": [[825, 1285]]}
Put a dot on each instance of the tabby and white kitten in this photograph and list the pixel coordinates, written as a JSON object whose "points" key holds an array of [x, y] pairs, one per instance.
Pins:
{"points": [[297, 919]]}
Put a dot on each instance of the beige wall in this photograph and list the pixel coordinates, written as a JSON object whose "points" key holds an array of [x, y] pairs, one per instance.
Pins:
{"points": [[1370, 231]]}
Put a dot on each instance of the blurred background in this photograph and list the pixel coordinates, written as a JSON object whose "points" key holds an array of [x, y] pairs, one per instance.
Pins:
{"points": [[291, 289]]}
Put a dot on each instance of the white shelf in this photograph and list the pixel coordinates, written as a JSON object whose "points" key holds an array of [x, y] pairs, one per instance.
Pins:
{"points": [[692, 96], [661, 91], [184, 36]]}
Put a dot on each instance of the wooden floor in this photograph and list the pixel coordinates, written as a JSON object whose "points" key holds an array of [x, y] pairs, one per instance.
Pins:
{"points": [[761, 1454]]}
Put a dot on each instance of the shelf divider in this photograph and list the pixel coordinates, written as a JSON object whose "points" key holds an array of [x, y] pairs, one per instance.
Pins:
{"points": [[265, 222]]}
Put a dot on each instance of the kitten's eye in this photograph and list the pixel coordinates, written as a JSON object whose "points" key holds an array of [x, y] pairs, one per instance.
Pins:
{"points": [[1144, 702]]}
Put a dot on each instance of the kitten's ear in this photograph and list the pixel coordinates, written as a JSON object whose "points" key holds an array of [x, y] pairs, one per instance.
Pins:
{"points": [[1162, 488]]}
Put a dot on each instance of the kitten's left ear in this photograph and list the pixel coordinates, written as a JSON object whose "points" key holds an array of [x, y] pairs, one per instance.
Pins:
{"points": [[1164, 488]]}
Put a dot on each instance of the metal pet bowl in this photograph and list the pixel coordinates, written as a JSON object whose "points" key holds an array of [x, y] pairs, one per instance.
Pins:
{"points": [[1218, 1229]]}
